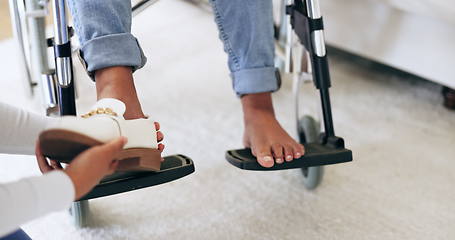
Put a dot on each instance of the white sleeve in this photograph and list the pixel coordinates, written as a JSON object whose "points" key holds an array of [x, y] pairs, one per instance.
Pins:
{"points": [[33, 197], [19, 129]]}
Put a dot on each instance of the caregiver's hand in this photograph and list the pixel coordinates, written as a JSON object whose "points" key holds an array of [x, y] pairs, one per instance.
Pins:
{"points": [[89, 167]]}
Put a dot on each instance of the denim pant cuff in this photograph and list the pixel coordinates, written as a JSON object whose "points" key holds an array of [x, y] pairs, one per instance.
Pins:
{"points": [[255, 80], [111, 50]]}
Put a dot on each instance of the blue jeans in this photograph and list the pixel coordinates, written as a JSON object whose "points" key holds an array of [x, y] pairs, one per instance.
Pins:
{"points": [[17, 235], [245, 27]]}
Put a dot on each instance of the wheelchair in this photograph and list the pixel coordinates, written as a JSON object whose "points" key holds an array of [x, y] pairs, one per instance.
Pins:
{"points": [[305, 60], [57, 87]]}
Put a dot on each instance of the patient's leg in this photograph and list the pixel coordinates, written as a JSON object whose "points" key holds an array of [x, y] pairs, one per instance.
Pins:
{"points": [[246, 28], [110, 52], [117, 82]]}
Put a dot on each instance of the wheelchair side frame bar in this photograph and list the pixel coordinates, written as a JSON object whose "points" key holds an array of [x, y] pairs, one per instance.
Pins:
{"points": [[306, 19], [63, 60], [62, 45]]}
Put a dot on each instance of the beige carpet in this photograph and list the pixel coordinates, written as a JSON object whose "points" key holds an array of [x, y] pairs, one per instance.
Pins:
{"points": [[400, 185]]}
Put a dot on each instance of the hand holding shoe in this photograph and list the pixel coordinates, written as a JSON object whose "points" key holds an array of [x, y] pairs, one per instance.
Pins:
{"points": [[89, 167], [65, 138]]}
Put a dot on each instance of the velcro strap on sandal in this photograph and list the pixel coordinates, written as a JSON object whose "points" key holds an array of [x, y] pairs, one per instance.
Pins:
{"points": [[141, 133]]}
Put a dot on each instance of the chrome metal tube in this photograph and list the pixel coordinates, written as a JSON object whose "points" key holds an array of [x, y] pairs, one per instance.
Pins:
{"points": [[288, 45], [61, 36], [36, 13], [317, 37], [299, 78], [60, 22], [318, 41], [49, 90], [296, 87], [313, 9], [18, 35]]}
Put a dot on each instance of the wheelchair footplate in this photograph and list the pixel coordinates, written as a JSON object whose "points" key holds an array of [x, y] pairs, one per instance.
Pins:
{"points": [[316, 154], [173, 168]]}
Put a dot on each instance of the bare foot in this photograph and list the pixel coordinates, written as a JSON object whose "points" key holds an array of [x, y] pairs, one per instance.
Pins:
{"points": [[268, 141], [117, 82]]}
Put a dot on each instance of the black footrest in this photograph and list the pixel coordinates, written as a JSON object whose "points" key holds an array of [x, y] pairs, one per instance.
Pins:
{"points": [[315, 155], [173, 167]]}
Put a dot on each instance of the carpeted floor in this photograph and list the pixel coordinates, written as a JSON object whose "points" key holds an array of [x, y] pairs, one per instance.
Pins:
{"points": [[400, 185]]}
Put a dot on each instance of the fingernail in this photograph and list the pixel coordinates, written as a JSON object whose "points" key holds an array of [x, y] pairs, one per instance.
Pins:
{"points": [[279, 160], [298, 155], [267, 159], [289, 157]]}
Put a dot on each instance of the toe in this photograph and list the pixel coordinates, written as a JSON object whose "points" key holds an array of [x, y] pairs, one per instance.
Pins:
{"points": [[288, 153], [157, 126], [159, 136], [278, 153], [299, 150], [264, 157], [161, 147]]}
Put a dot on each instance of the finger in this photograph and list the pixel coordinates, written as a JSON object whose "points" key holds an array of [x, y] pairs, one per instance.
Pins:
{"points": [[113, 166], [159, 136], [42, 161], [157, 126]]}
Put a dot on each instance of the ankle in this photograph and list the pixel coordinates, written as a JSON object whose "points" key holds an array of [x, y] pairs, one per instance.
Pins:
{"points": [[257, 105], [118, 83], [114, 82], [261, 101]]}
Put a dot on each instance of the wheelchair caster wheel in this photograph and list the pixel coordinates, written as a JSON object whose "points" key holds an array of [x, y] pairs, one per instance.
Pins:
{"points": [[309, 130], [80, 213], [312, 176]]}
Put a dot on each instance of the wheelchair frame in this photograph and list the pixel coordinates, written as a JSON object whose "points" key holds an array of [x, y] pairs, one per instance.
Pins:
{"points": [[58, 91], [302, 17], [29, 15]]}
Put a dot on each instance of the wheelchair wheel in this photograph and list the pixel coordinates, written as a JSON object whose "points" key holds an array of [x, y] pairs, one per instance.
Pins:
{"points": [[309, 130], [80, 212]]}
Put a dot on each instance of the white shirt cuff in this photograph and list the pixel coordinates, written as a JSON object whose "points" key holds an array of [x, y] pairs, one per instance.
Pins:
{"points": [[55, 192]]}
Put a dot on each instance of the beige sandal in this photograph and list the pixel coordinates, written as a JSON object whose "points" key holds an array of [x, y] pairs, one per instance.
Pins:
{"points": [[71, 135]]}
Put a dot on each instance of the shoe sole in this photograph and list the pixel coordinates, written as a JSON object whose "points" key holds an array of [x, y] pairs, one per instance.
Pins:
{"points": [[64, 145]]}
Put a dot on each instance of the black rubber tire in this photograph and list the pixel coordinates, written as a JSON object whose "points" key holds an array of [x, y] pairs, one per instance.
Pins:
{"points": [[312, 177], [80, 212], [309, 130]]}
